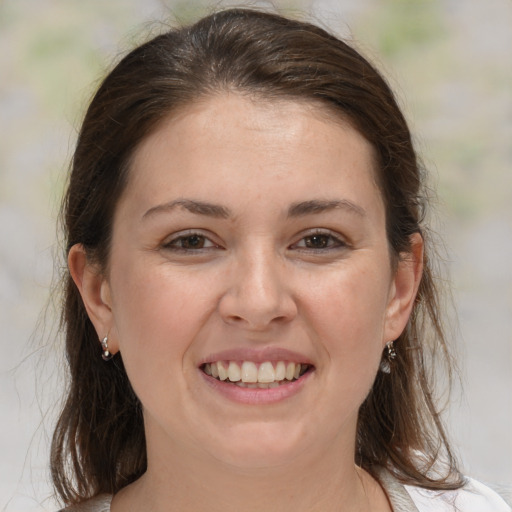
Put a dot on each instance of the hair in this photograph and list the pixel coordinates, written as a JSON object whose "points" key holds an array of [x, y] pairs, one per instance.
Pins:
{"points": [[99, 443]]}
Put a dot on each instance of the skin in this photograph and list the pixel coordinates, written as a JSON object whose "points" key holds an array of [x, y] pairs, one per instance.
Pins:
{"points": [[183, 285]]}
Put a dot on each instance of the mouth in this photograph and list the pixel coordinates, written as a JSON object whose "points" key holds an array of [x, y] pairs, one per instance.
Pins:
{"points": [[249, 374]]}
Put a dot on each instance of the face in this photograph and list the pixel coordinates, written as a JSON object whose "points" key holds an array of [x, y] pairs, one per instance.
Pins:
{"points": [[250, 288]]}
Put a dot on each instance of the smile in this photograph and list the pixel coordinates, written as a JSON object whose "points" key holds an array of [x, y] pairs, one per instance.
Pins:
{"points": [[249, 374]]}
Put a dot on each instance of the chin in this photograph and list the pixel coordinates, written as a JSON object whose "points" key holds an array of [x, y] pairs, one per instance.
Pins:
{"points": [[258, 446]]}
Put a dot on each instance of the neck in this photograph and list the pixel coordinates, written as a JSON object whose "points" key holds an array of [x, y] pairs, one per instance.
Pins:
{"points": [[325, 482]]}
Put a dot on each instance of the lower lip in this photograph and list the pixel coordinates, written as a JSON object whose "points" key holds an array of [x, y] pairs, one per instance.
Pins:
{"points": [[257, 396]]}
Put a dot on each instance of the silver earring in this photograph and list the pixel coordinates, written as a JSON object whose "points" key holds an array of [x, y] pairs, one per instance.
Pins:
{"points": [[388, 357], [106, 353]]}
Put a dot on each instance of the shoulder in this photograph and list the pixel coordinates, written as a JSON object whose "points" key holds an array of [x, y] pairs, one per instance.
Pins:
{"points": [[96, 504], [473, 497]]}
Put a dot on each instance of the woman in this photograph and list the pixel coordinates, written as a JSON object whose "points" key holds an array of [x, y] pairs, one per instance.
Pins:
{"points": [[245, 239]]}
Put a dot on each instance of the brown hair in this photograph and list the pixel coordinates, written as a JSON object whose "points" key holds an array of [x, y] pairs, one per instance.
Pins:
{"points": [[98, 444]]}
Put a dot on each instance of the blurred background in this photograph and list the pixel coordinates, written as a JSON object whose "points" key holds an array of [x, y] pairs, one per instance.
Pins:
{"points": [[450, 63]]}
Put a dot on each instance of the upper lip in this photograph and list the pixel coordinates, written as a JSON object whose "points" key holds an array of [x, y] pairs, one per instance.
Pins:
{"points": [[256, 355]]}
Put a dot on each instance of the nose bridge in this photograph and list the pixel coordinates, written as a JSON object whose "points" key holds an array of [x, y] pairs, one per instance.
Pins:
{"points": [[257, 294]]}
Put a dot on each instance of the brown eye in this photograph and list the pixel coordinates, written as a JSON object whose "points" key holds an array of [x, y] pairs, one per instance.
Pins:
{"points": [[192, 242], [318, 241]]}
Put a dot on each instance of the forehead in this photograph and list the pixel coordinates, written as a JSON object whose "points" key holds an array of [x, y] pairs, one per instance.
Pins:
{"points": [[229, 138]]}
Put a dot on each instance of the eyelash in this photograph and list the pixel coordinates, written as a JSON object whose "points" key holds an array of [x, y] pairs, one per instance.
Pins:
{"points": [[332, 242], [174, 244], [329, 240]]}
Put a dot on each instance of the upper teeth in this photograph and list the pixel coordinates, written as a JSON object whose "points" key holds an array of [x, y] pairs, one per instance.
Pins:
{"points": [[249, 371]]}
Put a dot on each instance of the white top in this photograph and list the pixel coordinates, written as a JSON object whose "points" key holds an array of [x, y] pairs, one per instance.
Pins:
{"points": [[473, 497]]}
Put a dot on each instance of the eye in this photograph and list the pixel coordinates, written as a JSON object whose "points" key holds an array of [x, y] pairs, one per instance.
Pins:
{"points": [[319, 241], [189, 242]]}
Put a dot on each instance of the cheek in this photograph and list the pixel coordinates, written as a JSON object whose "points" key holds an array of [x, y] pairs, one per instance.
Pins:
{"points": [[349, 314], [157, 316], [149, 297]]}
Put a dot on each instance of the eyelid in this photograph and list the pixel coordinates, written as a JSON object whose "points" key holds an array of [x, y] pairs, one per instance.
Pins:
{"points": [[171, 241], [337, 238], [337, 241]]}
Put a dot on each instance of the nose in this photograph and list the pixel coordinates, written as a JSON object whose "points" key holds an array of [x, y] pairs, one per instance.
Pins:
{"points": [[258, 294]]}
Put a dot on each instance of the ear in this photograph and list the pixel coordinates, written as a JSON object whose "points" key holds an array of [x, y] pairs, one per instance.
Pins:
{"points": [[95, 291], [404, 288]]}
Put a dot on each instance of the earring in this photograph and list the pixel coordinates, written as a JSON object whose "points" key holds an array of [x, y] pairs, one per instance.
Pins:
{"points": [[388, 357], [106, 353]]}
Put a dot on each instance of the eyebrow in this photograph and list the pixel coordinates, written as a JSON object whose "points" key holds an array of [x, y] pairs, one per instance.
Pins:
{"points": [[197, 207], [318, 206], [300, 209]]}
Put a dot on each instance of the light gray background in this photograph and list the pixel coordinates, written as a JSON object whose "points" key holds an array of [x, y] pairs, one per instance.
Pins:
{"points": [[450, 63]]}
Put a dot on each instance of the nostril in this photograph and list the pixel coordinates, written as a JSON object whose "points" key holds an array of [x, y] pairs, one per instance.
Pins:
{"points": [[256, 323]]}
